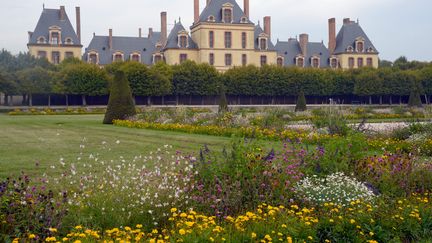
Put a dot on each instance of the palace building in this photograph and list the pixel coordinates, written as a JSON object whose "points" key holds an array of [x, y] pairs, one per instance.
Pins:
{"points": [[221, 35], [54, 37]]}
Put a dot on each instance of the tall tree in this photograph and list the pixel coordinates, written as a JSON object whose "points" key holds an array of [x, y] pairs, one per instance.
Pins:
{"points": [[34, 81]]}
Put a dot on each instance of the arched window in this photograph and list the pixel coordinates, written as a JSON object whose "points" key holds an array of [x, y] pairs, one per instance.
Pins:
{"points": [[227, 15], [243, 20], [68, 41], [55, 38], [351, 62], [360, 46], [135, 57], [211, 18], [93, 58], [118, 57], [315, 62], [263, 43], [350, 49], [370, 49], [41, 40], [300, 62], [280, 61], [333, 62], [157, 58]]}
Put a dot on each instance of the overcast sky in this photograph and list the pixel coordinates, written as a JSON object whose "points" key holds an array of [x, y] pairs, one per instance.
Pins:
{"points": [[396, 27]]}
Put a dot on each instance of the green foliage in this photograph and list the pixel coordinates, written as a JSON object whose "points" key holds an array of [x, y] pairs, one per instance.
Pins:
{"points": [[332, 120], [190, 78], [301, 102], [84, 79], [223, 103], [35, 81], [120, 104]]}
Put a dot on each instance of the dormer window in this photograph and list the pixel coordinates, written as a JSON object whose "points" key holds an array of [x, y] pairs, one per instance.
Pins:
{"points": [[211, 18], [69, 41], [333, 62], [93, 57], [135, 57], [41, 40], [315, 61], [359, 44], [118, 57], [243, 20], [370, 49], [157, 57], [55, 35], [300, 61], [350, 49], [227, 13], [182, 39], [263, 43], [280, 61]]}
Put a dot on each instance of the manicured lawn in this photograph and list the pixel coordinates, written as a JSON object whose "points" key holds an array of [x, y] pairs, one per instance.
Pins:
{"points": [[27, 140]]}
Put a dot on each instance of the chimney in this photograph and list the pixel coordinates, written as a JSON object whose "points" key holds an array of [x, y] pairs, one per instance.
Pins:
{"points": [[267, 25], [196, 11], [150, 33], [208, 2], [346, 21], [332, 35], [78, 23], [304, 39], [139, 33], [246, 8], [62, 13], [110, 39], [163, 28], [29, 35]]}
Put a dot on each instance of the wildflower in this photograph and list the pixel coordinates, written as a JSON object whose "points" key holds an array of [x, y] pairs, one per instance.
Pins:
{"points": [[253, 235], [289, 239], [352, 221], [32, 236], [371, 233], [173, 210], [52, 230], [310, 237], [182, 232], [77, 241], [139, 226], [183, 215]]}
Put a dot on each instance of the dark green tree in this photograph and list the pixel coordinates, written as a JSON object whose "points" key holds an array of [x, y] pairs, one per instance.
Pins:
{"points": [[223, 102], [416, 90], [34, 81], [120, 104], [301, 102], [368, 83]]}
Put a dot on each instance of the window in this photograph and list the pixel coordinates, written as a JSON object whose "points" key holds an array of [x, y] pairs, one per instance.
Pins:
{"points": [[300, 62], [211, 18], [211, 39], [68, 41], [136, 57], [55, 56], [157, 58], [369, 62], [350, 49], [333, 62], [351, 62], [211, 59], [183, 58], [228, 59], [315, 62], [227, 15], [244, 40], [263, 60], [244, 59], [118, 57], [41, 40], [370, 49], [263, 44], [279, 61], [360, 62], [55, 38], [227, 39], [243, 20], [69, 54], [360, 46], [183, 41], [41, 54], [93, 58]]}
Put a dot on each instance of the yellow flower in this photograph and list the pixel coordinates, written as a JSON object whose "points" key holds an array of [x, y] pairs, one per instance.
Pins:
{"points": [[139, 226], [183, 215], [77, 241], [352, 221], [173, 210], [371, 233], [78, 227], [289, 239], [310, 237], [253, 235], [127, 228], [65, 239], [32, 236], [53, 230], [190, 223], [182, 231]]}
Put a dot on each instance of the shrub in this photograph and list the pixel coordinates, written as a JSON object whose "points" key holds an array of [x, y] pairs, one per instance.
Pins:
{"points": [[301, 102], [223, 103], [414, 99], [120, 104], [335, 188], [332, 119]]}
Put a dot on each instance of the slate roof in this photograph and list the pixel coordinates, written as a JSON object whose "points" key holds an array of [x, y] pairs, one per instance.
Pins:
{"points": [[172, 40], [214, 8], [127, 45], [347, 37], [258, 31], [51, 17], [291, 48]]}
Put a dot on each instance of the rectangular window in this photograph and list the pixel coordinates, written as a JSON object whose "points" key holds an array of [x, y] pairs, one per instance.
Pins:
{"points": [[227, 39], [360, 62], [227, 16], [42, 54], [157, 58], [183, 41], [279, 61], [183, 57], [55, 38], [55, 56], [263, 44], [244, 59], [244, 40], [263, 60], [315, 62], [369, 62], [69, 54], [93, 58], [211, 59], [211, 39], [228, 59], [351, 62]]}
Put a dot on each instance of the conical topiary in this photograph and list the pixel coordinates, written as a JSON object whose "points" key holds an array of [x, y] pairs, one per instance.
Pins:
{"points": [[301, 102], [223, 103], [120, 104], [414, 99]]}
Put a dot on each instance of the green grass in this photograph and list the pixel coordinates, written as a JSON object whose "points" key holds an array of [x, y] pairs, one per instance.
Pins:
{"points": [[27, 140]]}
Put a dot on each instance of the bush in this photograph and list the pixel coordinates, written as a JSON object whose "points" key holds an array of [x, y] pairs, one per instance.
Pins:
{"points": [[332, 119], [414, 99], [120, 104], [301, 102], [223, 103]]}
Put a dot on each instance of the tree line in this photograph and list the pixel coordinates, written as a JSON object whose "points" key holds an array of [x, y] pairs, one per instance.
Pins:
{"points": [[25, 75]]}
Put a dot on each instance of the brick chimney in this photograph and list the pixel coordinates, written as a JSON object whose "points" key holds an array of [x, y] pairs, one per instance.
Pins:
{"points": [[196, 11], [246, 8], [139, 33], [346, 20], [150, 33], [110, 39], [304, 39], [62, 13], [163, 28], [267, 25], [332, 35], [78, 23]]}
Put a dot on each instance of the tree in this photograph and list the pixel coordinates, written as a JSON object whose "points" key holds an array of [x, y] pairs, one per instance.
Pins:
{"points": [[34, 81], [120, 104], [416, 90], [84, 79], [223, 103], [301, 102], [7, 86], [368, 83]]}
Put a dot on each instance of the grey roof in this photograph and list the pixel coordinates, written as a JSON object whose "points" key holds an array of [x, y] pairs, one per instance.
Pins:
{"points": [[127, 45], [51, 17], [155, 37], [214, 8], [347, 37], [172, 40], [258, 31], [291, 48]]}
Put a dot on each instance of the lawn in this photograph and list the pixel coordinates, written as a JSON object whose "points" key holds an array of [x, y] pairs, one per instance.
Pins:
{"points": [[27, 140]]}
